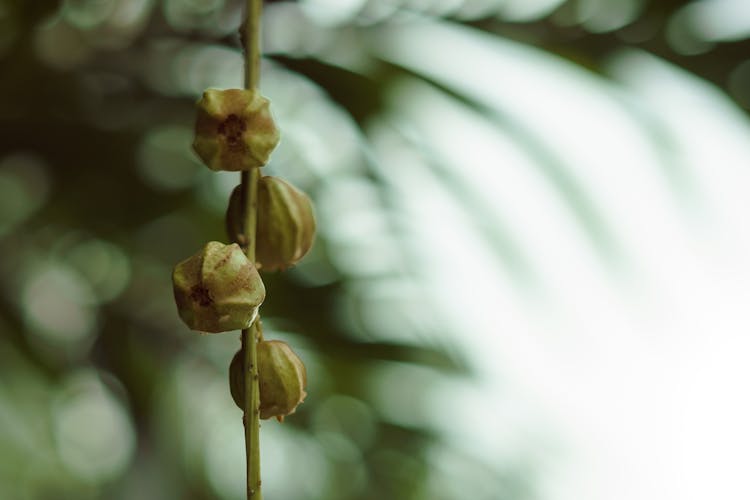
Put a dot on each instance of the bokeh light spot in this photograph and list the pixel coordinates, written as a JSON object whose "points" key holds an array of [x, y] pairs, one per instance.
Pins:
{"points": [[105, 266], [214, 192], [717, 20], [95, 438], [175, 67], [332, 12], [683, 34], [527, 10], [288, 453], [351, 219], [346, 416], [217, 17], [601, 16], [400, 391], [87, 14], [57, 305], [24, 187], [60, 45], [165, 161], [225, 459]]}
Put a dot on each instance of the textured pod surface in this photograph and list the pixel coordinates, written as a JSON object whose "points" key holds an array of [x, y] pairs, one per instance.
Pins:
{"points": [[234, 217], [217, 289], [237, 380], [282, 379], [234, 130], [286, 224]]}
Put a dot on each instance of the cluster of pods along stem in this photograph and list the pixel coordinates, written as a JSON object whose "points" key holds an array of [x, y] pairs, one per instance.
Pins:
{"points": [[271, 227]]}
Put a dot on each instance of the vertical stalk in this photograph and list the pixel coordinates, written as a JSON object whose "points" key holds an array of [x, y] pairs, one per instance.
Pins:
{"points": [[251, 37], [249, 182], [251, 412]]}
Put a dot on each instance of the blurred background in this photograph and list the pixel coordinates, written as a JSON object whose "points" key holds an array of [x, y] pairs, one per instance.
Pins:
{"points": [[530, 277]]}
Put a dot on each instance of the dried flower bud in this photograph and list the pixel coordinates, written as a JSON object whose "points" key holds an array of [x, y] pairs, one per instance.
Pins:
{"points": [[286, 224], [218, 289], [234, 130], [282, 379]]}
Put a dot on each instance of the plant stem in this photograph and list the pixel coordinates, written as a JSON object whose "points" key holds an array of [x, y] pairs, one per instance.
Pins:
{"points": [[251, 37], [251, 412], [249, 180]]}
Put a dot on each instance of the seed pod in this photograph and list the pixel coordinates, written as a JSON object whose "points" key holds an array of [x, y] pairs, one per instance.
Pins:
{"points": [[234, 217], [282, 379], [286, 224], [234, 130], [218, 289], [237, 380]]}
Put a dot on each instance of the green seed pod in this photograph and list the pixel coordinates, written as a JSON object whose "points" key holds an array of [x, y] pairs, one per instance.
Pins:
{"points": [[234, 130], [218, 289], [237, 380], [282, 379], [233, 219], [286, 224]]}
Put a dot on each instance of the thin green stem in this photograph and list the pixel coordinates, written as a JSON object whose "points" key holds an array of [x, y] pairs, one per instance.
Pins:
{"points": [[249, 183], [251, 417], [251, 38], [249, 180]]}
